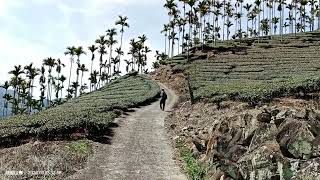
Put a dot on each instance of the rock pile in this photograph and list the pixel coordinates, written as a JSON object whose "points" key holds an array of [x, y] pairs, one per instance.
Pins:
{"points": [[261, 143]]}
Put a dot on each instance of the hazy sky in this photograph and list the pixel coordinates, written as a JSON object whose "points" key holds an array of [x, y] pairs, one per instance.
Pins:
{"points": [[32, 30]]}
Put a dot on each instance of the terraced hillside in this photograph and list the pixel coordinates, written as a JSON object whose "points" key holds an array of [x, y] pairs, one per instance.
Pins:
{"points": [[256, 72], [90, 114]]}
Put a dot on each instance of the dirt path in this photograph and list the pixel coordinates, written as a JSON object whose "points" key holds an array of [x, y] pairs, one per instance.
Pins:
{"points": [[139, 149]]}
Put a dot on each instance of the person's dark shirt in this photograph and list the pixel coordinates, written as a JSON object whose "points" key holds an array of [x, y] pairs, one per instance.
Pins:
{"points": [[164, 96]]}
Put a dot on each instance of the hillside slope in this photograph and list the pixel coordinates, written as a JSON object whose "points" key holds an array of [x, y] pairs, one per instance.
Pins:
{"points": [[88, 117], [255, 113], [256, 72], [89, 114]]}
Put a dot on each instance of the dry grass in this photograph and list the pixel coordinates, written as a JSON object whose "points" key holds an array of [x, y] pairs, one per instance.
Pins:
{"points": [[57, 159]]}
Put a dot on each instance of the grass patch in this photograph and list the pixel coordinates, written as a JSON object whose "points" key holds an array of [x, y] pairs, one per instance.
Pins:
{"points": [[195, 170], [81, 147]]}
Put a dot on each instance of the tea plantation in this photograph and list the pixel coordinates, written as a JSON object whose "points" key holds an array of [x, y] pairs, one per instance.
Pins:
{"points": [[91, 113], [261, 71]]}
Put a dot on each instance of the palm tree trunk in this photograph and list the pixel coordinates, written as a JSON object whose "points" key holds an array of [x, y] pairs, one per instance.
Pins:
{"points": [[132, 63], [304, 19], [241, 21], [189, 40], [236, 25], [263, 7], [48, 91], [61, 89], [259, 24], [119, 63], [203, 32], [217, 25], [58, 85], [295, 17], [183, 28], [109, 69], [200, 29], [247, 27], [313, 17], [91, 73], [122, 30], [31, 90], [4, 104], [14, 92], [282, 19], [165, 44], [81, 79], [318, 16], [100, 72], [213, 23], [172, 47], [224, 18], [169, 43], [77, 81], [190, 35], [179, 41], [70, 72]]}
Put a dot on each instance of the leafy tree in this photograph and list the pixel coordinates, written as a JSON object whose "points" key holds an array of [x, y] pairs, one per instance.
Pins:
{"points": [[7, 97], [31, 73], [265, 26], [59, 67], [92, 49], [42, 83], [71, 52], [102, 51], [111, 33], [15, 80], [62, 79], [51, 63], [119, 54], [82, 69], [128, 63], [123, 22], [165, 30], [93, 79], [146, 50], [78, 52], [248, 7]]}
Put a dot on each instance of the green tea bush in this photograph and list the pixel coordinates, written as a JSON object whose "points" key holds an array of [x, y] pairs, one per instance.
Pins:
{"points": [[91, 113], [260, 74]]}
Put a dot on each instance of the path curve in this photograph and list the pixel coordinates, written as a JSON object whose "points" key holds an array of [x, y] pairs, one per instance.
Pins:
{"points": [[139, 149]]}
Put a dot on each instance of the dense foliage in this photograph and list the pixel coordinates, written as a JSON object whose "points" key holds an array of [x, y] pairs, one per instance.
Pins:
{"points": [[197, 22], [91, 113]]}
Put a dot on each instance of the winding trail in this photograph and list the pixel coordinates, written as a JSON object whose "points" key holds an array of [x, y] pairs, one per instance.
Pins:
{"points": [[139, 149]]}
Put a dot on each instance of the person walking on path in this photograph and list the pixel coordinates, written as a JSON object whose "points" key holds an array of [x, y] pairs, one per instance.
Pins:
{"points": [[164, 97]]}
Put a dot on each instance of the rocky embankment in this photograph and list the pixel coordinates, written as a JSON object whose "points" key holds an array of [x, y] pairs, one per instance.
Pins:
{"points": [[280, 140], [240, 142]]}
